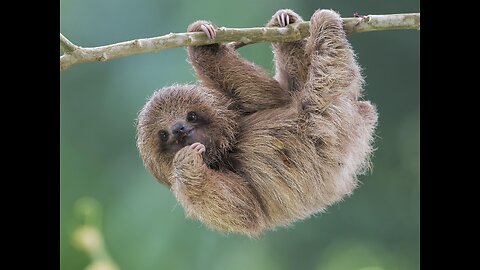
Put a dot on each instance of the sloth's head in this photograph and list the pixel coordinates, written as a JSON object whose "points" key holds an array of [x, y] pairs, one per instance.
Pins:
{"points": [[178, 116]]}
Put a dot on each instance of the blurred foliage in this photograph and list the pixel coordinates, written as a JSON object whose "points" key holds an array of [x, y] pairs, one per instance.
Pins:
{"points": [[88, 236], [144, 227]]}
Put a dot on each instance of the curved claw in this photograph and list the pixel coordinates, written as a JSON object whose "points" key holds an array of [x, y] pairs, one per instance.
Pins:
{"points": [[209, 30], [283, 19], [198, 147]]}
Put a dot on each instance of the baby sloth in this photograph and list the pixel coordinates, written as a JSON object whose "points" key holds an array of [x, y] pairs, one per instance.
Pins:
{"points": [[244, 152]]}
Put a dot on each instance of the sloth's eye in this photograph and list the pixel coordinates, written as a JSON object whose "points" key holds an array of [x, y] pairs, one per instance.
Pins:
{"points": [[192, 117], [163, 136]]}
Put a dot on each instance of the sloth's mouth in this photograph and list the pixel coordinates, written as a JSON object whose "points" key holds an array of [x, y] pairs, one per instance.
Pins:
{"points": [[184, 137]]}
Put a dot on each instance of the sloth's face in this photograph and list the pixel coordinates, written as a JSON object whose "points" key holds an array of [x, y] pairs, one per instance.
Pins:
{"points": [[181, 115], [191, 128]]}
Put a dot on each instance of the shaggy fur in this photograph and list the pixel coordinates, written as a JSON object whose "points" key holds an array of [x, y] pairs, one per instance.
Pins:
{"points": [[277, 149]]}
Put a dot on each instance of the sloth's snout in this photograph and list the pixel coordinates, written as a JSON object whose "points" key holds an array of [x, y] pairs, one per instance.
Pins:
{"points": [[181, 131], [178, 129]]}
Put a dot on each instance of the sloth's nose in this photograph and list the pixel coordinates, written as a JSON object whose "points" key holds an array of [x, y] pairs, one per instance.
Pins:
{"points": [[178, 129]]}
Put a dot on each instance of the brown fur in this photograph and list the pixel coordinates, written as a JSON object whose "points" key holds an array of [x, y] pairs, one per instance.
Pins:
{"points": [[277, 149]]}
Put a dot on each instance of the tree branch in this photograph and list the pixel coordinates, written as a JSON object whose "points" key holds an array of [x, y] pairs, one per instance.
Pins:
{"points": [[238, 37], [66, 45]]}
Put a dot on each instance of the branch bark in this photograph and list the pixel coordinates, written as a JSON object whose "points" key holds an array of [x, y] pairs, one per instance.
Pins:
{"points": [[66, 45], [238, 37]]}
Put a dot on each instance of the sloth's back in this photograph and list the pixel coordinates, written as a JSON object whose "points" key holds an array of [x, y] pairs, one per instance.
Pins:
{"points": [[283, 163]]}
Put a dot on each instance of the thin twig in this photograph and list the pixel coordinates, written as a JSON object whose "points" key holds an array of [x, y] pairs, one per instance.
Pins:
{"points": [[66, 45], [239, 37]]}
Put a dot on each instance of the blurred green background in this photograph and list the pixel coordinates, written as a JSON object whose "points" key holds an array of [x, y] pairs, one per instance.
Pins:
{"points": [[143, 225]]}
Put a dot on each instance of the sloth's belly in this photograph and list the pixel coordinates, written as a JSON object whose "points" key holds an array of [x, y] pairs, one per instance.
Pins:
{"points": [[284, 168]]}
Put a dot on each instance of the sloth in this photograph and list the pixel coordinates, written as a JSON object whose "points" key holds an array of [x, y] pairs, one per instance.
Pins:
{"points": [[245, 152]]}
